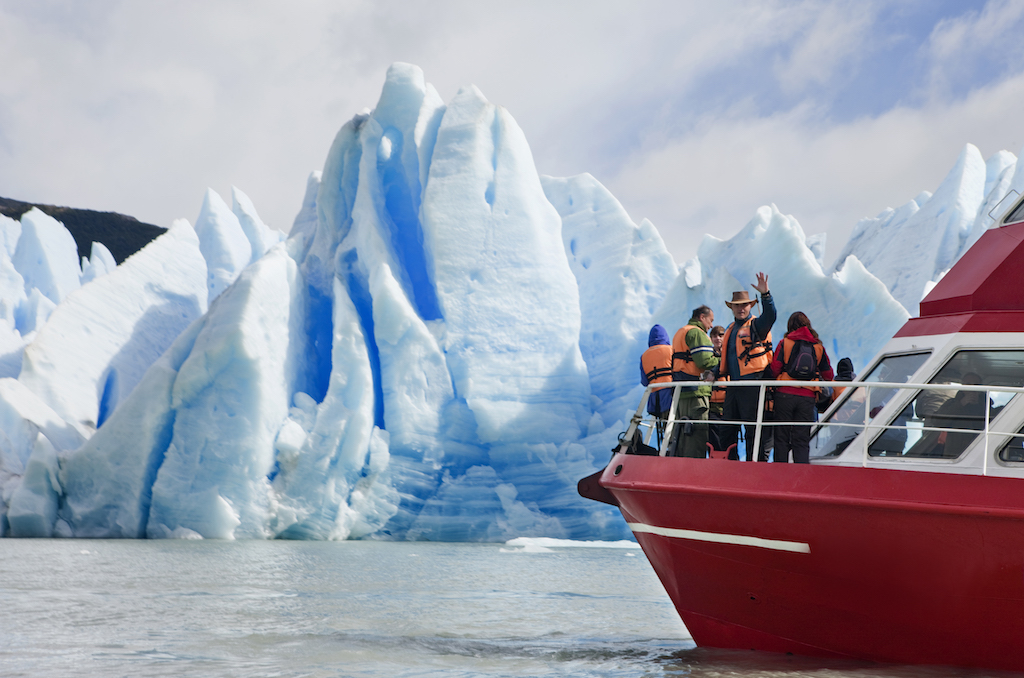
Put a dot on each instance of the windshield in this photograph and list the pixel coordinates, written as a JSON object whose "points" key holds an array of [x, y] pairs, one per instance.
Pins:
{"points": [[961, 412], [848, 419]]}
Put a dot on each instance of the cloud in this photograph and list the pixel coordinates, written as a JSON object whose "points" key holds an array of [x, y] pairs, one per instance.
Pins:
{"points": [[827, 175], [693, 113]]}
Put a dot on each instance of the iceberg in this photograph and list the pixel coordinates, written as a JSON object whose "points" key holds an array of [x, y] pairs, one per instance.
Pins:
{"points": [[97, 344], [442, 345]]}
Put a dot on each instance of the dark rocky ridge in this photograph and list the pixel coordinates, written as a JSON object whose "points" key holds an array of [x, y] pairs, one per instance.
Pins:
{"points": [[121, 234]]}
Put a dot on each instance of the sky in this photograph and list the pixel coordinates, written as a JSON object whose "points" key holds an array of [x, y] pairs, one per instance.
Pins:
{"points": [[693, 114]]}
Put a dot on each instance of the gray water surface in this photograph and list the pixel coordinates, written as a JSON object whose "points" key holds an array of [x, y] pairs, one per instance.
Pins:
{"points": [[284, 608]]}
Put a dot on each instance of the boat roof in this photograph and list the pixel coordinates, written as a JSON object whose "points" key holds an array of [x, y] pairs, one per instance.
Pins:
{"points": [[984, 291]]}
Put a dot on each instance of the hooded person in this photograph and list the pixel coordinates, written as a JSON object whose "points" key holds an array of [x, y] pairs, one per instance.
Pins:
{"points": [[656, 368]]}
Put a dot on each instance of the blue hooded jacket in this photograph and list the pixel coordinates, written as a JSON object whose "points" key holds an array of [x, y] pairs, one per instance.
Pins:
{"points": [[660, 400]]}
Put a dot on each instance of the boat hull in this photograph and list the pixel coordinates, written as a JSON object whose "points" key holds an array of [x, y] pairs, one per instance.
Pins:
{"points": [[896, 566]]}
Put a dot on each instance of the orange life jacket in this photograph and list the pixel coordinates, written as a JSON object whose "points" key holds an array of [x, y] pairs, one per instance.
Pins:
{"points": [[787, 351], [754, 355], [718, 392], [657, 364], [682, 361]]}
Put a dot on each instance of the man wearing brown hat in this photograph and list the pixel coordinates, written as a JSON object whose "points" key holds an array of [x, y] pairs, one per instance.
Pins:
{"points": [[746, 352]]}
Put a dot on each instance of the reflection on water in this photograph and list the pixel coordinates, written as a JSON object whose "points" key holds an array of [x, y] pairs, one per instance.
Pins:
{"points": [[206, 608]]}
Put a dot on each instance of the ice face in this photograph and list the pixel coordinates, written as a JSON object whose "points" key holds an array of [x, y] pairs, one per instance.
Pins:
{"points": [[885, 244], [230, 397], [260, 236], [223, 243], [46, 256], [623, 272], [443, 346], [508, 297], [130, 317], [99, 263]]}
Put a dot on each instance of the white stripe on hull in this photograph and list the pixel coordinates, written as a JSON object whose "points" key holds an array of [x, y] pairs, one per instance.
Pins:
{"points": [[774, 544]]}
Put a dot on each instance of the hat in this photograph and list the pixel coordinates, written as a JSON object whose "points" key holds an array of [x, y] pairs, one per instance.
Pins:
{"points": [[741, 297]]}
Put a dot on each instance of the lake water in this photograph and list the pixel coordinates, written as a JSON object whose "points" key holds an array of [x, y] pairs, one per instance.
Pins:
{"points": [[280, 608]]}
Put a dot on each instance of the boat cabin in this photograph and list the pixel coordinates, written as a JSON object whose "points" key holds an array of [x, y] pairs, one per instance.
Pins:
{"points": [[948, 382]]}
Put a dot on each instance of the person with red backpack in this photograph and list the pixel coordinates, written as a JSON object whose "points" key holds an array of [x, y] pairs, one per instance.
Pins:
{"points": [[799, 357]]}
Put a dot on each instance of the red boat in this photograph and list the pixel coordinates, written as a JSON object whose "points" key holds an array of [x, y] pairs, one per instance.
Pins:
{"points": [[903, 539]]}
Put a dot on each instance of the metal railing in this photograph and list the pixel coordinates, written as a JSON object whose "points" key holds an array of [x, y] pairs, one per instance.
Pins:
{"points": [[866, 428]]}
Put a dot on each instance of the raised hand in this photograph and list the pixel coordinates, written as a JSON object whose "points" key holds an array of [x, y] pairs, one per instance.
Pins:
{"points": [[762, 284]]}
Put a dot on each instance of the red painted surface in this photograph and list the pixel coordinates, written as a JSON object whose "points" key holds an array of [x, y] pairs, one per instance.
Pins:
{"points": [[904, 566], [988, 277], [984, 321]]}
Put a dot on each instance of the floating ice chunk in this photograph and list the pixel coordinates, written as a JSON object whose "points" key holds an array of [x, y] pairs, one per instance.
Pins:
{"points": [[32, 511], [223, 243], [101, 340], [230, 398], [47, 256]]}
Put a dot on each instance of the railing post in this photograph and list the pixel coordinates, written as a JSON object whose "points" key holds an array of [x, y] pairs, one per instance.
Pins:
{"points": [[984, 459], [867, 418], [756, 452], [671, 425]]}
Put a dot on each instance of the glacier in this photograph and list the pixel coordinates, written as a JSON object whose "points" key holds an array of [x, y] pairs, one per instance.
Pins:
{"points": [[441, 346]]}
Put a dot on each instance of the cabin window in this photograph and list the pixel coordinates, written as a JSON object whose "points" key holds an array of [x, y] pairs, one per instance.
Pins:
{"points": [[1013, 450], [847, 418], [1016, 215], [942, 423]]}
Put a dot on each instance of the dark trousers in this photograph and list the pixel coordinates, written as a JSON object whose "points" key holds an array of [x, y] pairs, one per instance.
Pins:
{"points": [[741, 405], [789, 407], [714, 436]]}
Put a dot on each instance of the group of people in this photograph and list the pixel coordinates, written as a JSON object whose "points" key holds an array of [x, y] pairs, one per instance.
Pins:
{"points": [[708, 354]]}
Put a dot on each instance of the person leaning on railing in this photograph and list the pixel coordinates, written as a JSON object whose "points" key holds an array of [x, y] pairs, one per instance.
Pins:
{"points": [[746, 352], [693, 359], [656, 368], [796, 403]]}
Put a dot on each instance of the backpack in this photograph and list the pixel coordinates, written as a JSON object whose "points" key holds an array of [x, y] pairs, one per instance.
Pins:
{"points": [[803, 361]]}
